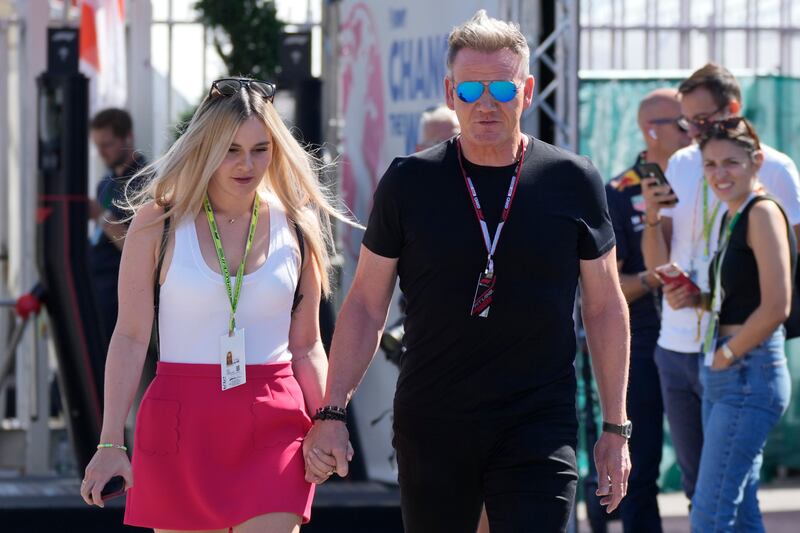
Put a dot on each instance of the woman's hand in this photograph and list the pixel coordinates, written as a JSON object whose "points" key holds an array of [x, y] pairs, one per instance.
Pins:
{"points": [[720, 361], [106, 463]]}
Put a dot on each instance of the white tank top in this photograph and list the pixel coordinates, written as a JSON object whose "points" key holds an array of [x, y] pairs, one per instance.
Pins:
{"points": [[194, 307]]}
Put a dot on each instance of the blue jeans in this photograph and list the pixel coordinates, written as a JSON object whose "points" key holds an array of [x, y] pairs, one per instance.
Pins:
{"points": [[741, 405], [683, 396]]}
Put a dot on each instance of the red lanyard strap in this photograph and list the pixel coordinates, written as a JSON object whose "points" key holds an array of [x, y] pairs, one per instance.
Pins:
{"points": [[491, 245]]}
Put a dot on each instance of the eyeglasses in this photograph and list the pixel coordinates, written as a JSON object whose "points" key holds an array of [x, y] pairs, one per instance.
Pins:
{"points": [[663, 121], [699, 123], [231, 86], [501, 90]]}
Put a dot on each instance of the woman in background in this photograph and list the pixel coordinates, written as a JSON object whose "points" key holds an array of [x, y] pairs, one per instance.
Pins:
{"points": [[746, 385]]}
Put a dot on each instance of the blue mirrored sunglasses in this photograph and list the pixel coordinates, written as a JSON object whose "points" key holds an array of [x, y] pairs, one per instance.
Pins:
{"points": [[501, 90]]}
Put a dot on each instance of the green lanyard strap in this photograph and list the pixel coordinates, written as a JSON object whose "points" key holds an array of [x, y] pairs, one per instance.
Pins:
{"points": [[233, 294], [708, 223], [716, 294]]}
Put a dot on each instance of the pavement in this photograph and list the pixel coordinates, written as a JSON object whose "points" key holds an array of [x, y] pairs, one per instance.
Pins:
{"points": [[780, 505]]}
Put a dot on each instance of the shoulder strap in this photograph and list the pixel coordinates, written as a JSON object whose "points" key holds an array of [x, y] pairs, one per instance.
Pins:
{"points": [[162, 249], [301, 243]]}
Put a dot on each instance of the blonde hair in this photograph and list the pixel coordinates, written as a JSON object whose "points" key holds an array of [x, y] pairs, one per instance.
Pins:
{"points": [[486, 34], [181, 177]]}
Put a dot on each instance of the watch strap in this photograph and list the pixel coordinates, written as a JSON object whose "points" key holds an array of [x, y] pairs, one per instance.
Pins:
{"points": [[623, 430]]}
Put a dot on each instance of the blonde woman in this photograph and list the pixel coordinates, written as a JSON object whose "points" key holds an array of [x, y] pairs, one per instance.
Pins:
{"points": [[236, 210]]}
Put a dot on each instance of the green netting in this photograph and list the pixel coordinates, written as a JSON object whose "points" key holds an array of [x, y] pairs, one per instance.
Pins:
{"points": [[609, 135]]}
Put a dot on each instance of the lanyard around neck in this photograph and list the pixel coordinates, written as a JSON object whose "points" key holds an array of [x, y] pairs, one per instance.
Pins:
{"points": [[491, 245], [233, 293], [708, 222]]}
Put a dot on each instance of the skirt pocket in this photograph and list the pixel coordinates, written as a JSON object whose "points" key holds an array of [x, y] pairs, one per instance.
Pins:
{"points": [[158, 427]]}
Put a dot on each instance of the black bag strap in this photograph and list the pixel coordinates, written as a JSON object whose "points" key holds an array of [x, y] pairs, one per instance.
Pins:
{"points": [[301, 243], [162, 250]]}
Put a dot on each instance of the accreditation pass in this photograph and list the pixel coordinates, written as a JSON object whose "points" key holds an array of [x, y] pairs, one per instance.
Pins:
{"points": [[232, 359]]}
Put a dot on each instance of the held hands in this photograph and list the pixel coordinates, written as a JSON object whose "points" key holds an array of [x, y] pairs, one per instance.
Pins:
{"points": [[613, 464], [327, 450], [106, 463]]}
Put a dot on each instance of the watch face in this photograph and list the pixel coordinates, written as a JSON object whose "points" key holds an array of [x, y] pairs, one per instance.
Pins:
{"points": [[627, 429]]}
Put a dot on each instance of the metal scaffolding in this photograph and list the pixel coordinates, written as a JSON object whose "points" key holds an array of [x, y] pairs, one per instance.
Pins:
{"points": [[758, 35]]}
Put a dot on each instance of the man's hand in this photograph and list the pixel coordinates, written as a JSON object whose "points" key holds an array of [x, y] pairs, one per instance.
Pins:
{"points": [[655, 197], [679, 297], [327, 450], [613, 464]]}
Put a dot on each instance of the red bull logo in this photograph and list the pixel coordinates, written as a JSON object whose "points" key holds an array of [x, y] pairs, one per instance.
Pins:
{"points": [[629, 179]]}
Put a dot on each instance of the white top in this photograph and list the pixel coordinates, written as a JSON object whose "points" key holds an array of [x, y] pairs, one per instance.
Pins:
{"points": [[194, 307], [684, 172]]}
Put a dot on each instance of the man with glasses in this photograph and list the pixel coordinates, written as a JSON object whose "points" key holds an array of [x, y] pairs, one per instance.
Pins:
{"points": [[489, 234], [687, 235], [658, 118]]}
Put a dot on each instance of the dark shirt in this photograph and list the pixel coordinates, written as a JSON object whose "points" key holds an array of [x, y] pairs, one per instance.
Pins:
{"points": [[740, 281], [104, 256], [456, 364], [626, 207]]}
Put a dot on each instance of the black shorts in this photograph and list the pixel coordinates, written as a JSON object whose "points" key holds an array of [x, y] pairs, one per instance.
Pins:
{"points": [[522, 468]]}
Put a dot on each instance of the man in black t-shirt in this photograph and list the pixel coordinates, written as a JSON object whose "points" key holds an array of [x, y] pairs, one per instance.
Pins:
{"points": [[658, 118], [485, 402], [112, 135]]}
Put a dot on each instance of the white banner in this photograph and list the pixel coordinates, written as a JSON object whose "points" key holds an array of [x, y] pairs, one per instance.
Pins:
{"points": [[391, 69], [102, 52]]}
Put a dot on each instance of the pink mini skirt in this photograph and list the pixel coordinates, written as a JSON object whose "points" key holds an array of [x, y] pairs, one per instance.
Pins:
{"points": [[204, 458]]}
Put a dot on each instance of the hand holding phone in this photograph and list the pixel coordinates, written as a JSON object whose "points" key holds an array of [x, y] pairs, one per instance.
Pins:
{"points": [[652, 170], [671, 274], [115, 487]]}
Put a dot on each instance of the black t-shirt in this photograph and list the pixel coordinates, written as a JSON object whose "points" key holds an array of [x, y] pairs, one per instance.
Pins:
{"points": [[512, 360], [626, 207], [104, 256]]}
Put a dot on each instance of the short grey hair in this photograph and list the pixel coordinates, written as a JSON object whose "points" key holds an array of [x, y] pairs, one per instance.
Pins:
{"points": [[440, 113], [486, 34]]}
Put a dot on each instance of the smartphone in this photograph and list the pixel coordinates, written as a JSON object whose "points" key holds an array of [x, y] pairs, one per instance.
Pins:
{"points": [[672, 274], [115, 487], [652, 170]]}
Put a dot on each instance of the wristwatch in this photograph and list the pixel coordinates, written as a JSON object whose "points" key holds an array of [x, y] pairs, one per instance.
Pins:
{"points": [[623, 430], [727, 352]]}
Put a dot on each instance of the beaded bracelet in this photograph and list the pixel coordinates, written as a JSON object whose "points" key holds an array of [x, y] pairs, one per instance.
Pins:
{"points": [[115, 446], [331, 412]]}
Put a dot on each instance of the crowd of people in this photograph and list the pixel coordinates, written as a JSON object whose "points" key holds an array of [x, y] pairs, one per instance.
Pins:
{"points": [[489, 231]]}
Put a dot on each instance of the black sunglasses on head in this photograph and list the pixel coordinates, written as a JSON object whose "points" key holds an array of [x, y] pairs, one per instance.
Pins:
{"points": [[231, 86], [728, 125]]}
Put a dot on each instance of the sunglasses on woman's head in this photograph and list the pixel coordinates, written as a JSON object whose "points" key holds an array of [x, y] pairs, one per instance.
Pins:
{"points": [[231, 86], [501, 90], [728, 125]]}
